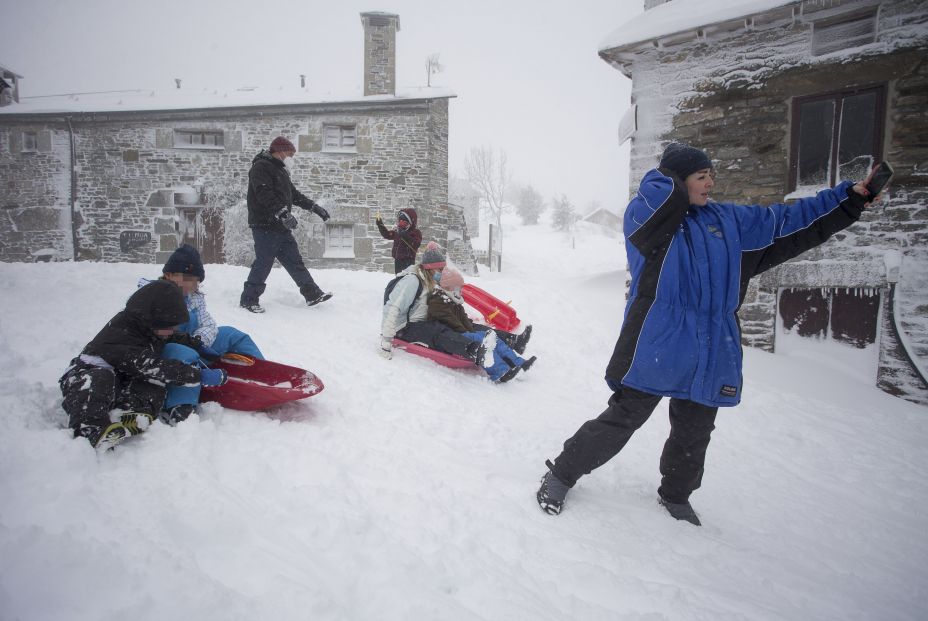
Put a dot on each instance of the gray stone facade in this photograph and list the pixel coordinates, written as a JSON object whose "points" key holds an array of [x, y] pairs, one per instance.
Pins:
{"points": [[728, 88], [128, 181]]}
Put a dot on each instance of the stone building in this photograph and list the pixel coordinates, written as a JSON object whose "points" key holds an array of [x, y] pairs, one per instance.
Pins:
{"points": [[787, 97], [128, 175]]}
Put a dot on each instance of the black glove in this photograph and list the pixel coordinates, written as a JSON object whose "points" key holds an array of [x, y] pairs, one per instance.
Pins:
{"points": [[319, 210], [286, 218]]}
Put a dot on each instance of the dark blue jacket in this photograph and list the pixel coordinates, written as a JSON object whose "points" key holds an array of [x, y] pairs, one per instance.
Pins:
{"points": [[689, 270]]}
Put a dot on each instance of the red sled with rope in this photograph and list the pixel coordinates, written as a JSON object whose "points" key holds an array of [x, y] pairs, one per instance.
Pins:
{"points": [[497, 313], [256, 385]]}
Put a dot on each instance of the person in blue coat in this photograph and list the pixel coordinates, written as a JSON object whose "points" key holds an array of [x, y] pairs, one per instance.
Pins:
{"points": [[690, 260]]}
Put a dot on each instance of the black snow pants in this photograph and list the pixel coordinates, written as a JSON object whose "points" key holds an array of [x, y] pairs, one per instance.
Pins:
{"points": [[599, 440], [90, 393], [438, 336]]}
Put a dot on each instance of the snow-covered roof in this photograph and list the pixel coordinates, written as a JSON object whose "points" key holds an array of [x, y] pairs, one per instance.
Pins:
{"points": [[683, 15], [9, 72], [198, 99]]}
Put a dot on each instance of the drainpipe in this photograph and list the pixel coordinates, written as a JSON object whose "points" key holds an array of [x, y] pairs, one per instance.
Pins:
{"points": [[73, 192]]}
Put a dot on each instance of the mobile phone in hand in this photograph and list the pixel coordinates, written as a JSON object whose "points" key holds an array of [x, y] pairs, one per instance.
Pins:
{"points": [[879, 178]]}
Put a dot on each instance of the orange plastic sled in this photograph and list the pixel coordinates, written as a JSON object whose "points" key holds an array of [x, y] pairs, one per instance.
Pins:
{"points": [[259, 384], [497, 313]]}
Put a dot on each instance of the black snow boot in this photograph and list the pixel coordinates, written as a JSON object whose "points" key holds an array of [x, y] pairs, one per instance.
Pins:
{"points": [[552, 492], [681, 511], [176, 414], [314, 295], [521, 340]]}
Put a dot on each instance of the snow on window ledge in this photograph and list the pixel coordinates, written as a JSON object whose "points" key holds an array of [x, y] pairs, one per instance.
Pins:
{"points": [[338, 253], [802, 192]]}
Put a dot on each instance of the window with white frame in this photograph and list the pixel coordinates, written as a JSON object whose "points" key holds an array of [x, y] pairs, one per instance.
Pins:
{"points": [[342, 138], [198, 139], [835, 136], [339, 241], [30, 142]]}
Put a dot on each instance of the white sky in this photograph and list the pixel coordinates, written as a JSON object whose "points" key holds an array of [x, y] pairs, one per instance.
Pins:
{"points": [[526, 72]]}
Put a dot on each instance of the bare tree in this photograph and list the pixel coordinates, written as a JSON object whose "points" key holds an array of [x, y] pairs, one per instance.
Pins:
{"points": [[432, 66], [489, 174], [530, 205]]}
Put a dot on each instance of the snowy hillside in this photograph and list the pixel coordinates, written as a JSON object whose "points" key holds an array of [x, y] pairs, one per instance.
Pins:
{"points": [[405, 490]]}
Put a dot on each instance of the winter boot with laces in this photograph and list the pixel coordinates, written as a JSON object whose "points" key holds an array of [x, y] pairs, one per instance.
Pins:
{"points": [[104, 438], [681, 511], [136, 422], [552, 492], [252, 307]]}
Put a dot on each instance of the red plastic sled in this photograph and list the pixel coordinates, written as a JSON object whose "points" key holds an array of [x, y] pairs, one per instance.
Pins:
{"points": [[447, 360], [496, 312], [259, 384]]}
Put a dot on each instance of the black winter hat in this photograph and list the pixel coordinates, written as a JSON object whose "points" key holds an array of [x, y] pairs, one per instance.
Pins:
{"points": [[159, 304], [684, 160], [185, 260]]}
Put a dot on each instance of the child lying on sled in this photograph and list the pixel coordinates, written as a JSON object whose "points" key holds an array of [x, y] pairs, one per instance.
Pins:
{"points": [[446, 305]]}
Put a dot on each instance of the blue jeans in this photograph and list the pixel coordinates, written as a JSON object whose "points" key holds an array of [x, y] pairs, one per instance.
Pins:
{"points": [[270, 244], [228, 339]]}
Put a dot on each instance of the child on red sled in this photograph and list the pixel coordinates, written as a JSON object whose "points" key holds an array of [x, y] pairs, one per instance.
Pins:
{"points": [[445, 304], [116, 386]]}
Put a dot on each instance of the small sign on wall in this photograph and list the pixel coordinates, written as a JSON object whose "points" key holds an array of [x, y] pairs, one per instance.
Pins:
{"points": [[629, 124], [130, 240]]}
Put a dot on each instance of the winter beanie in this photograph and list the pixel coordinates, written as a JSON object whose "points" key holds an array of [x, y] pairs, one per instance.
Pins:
{"points": [[432, 258], [403, 216], [281, 144], [451, 279], [185, 260], [684, 160]]}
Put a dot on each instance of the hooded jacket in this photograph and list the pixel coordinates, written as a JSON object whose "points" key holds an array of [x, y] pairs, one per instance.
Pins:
{"points": [[270, 190], [404, 306], [690, 267], [129, 344], [405, 243]]}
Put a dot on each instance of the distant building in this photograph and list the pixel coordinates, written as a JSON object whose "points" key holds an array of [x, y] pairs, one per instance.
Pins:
{"points": [[604, 218], [788, 97], [129, 175]]}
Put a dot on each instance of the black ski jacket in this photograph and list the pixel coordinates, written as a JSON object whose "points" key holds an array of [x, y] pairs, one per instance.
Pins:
{"points": [[270, 190], [129, 344]]}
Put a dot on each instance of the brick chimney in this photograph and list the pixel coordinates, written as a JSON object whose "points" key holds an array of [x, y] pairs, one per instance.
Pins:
{"points": [[380, 52]]}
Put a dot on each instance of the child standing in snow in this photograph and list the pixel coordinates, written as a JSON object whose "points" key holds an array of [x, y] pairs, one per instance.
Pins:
{"points": [[206, 340], [121, 371], [446, 305], [406, 238]]}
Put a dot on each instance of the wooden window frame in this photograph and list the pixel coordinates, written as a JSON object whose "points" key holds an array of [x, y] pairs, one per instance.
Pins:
{"points": [[838, 97]]}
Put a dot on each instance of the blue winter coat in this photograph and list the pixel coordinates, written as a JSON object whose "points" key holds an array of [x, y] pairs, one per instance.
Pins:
{"points": [[680, 337]]}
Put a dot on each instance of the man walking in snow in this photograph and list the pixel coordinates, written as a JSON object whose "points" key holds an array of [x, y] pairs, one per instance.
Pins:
{"points": [[271, 196], [690, 260]]}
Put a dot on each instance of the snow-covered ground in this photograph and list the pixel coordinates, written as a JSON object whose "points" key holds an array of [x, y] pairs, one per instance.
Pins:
{"points": [[405, 490]]}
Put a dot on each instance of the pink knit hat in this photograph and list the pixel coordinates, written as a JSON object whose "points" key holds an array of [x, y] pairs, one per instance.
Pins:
{"points": [[432, 258], [451, 279]]}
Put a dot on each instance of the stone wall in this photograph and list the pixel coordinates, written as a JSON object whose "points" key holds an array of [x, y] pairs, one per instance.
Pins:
{"points": [[130, 178], [729, 89]]}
